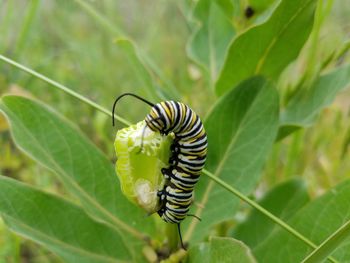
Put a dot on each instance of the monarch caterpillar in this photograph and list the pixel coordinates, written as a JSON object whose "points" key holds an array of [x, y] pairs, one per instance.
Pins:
{"points": [[188, 155]]}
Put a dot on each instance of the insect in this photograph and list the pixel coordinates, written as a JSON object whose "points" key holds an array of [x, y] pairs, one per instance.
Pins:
{"points": [[188, 155], [249, 12]]}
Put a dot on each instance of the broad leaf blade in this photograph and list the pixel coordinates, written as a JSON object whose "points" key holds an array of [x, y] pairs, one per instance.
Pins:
{"points": [[241, 129], [85, 171], [59, 225], [210, 40], [317, 221], [283, 201], [220, 249], [268, 48], [329, 245], [259, 6], [307, 103]]}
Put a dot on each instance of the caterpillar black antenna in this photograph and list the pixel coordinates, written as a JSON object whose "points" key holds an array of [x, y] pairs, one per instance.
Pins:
{"points": [[128, 94], [179, 230]]}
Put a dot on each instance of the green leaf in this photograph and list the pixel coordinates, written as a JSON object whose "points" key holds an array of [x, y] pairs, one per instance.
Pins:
{"points": [[59, 225], [307, 103], [85, 171], [259, 6], [28, 20], [283, 201], [317, 221], [268, 48], [146, 86], [241, 129], [329, 245], [140, 58], [209, 42], [221, 250]]}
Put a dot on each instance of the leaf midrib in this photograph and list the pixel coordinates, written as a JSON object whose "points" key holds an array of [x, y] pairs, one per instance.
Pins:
{"points": [[207, 192], [339, 235], [58, 242], [274, 40], [114, 219]]}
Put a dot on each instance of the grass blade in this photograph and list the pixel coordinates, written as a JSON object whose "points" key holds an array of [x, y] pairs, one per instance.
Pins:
{"points": [[28, 20]]}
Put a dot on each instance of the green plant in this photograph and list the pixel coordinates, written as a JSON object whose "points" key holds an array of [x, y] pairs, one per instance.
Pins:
{"points": [[258, 105]]}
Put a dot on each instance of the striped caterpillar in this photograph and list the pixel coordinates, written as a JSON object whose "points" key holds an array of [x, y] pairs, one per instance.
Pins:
{"points": [[188, 156]]}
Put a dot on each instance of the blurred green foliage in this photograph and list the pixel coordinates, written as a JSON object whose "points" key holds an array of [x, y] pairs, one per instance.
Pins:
{"points": [[62, 40]]}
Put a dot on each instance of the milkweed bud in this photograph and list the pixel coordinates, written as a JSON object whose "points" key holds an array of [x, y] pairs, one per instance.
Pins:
{"points": [[139, 168]]}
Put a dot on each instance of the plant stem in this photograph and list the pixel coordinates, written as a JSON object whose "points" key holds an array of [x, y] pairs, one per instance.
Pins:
{"points": [[172, 236], [329, 245], [271, 216], [209, 174], [63, 88]]}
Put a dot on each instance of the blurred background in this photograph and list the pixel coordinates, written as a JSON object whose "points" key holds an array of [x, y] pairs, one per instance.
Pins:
{"points": [[77, 45]]}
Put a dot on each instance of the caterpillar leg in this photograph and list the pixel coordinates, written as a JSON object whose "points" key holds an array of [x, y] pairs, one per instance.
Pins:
{"points": [[162, 195]]}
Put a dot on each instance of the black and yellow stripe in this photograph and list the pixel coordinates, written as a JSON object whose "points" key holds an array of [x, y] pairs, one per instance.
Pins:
{"points": [[188, 158], [189, 152]]}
